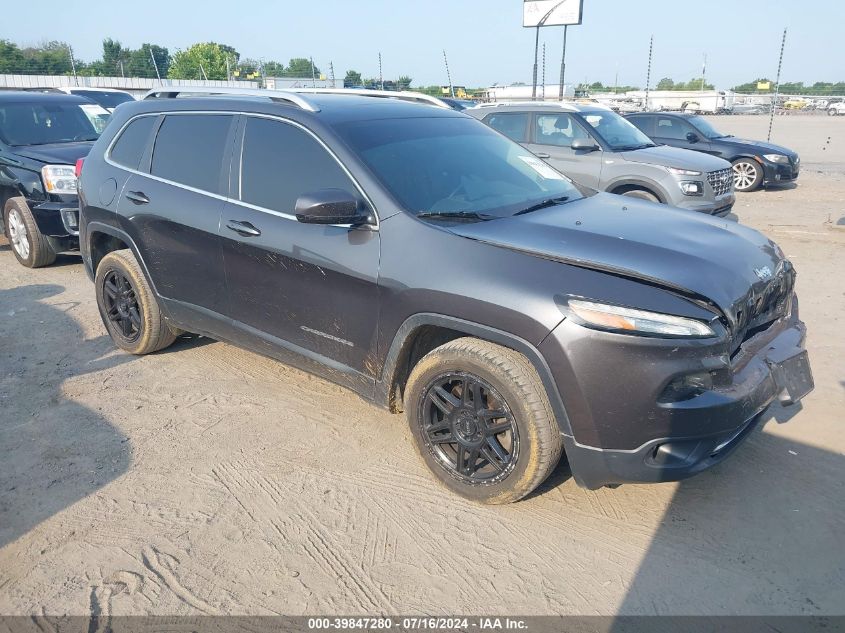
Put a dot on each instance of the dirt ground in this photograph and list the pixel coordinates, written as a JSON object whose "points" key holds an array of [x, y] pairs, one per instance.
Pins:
{"points": [[209, 480]]}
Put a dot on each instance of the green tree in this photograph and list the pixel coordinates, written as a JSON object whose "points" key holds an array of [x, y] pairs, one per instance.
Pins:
{"points": [[12, 59], [206, 60], [353, 78], [404, 82], [273, 69], [301, 67], [666, 84]]}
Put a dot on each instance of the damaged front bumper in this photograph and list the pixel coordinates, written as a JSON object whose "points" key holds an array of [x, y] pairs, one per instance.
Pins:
{"points": [[629, 430]]}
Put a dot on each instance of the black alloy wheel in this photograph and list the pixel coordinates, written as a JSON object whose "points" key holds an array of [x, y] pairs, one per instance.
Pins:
{"points": [[121, 305], [469, 428]]}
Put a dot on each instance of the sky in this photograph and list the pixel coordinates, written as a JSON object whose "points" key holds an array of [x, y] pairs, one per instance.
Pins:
{"points": [[483, 39]]}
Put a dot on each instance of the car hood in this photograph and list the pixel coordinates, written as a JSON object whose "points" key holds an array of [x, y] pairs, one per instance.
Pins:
{"points": [[759, 147], [675, 157], [60, 153], [707, 258]]}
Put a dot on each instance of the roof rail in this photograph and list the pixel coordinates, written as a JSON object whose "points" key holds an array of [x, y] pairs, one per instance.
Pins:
{"points": [[401, 95], [274, 95]]}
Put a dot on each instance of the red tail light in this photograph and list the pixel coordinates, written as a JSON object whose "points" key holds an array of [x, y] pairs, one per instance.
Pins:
{"points": [[79, 166]]}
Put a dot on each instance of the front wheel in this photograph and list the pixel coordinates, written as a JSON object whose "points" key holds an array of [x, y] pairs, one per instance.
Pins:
{"points": [[748, 174], [128, 306], [832, 112], [482, 421], [642, 194], [29, 245]]}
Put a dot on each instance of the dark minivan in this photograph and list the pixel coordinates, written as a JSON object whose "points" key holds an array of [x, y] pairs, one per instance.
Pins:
{"points": [[42, 135], [431, 265], [755, 163]]}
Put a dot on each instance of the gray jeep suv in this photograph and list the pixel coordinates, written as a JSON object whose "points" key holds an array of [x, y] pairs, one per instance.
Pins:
{"points": [[432, 265], [600, 149]]}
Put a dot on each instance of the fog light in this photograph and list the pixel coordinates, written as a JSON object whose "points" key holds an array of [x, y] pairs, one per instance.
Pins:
{"points": [[70, 219], [687, 387], [692, 187]]}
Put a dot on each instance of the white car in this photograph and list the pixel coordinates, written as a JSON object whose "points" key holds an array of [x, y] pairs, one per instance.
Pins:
{"points": [[836, 109], [108, 98]]}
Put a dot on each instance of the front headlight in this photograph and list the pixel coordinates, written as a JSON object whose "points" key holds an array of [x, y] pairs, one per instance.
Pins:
{"points": [[59, 178], [776, 158], [677, 171], [692, 187], [616, 318]]}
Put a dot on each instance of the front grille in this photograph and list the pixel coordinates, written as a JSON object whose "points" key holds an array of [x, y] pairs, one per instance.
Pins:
{"points": [[721, 181]]}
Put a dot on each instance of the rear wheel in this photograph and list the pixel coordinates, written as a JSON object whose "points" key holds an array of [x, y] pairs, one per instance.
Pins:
{"points": [[642, 194], [30, 247], [482, 420], [748, 174], [128, 306]]}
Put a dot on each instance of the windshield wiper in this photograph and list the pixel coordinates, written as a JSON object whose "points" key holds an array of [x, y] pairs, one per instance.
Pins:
{"points": [[451, 215], [549, 202], [628, 148]]}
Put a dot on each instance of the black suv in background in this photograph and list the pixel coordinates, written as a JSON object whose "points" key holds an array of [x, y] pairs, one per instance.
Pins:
{"points": [[755, 163], [430, 264], [42, 135]]}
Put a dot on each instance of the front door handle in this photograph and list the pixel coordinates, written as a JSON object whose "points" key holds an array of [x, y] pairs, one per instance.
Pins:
{"points": [[542, 155], [138, 197], [243, 228]]}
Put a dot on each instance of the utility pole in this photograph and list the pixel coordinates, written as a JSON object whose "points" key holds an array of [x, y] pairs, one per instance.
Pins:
{"points": [[331, 73], [562, 64], [313, 77], [703, 72], [228, 69], [380, 75], [121, 69], [536, 51], [777, 87], [155, 64], [202, 70], [544, 71], [616, 80], [73, 65], [448, 75], [648, 73]]}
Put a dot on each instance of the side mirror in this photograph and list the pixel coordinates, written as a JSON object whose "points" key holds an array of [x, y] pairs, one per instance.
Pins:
{"points": [[584, 144], [330, 206], [692, 137]]}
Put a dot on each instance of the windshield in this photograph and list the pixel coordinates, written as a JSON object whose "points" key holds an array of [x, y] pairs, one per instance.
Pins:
{"points": [[705, 127], [106, 99], [617, 132], [45, 123], [454, 166]]}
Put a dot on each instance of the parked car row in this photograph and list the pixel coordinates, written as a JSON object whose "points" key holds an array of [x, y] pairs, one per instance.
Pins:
{"points": [[434, 266]]}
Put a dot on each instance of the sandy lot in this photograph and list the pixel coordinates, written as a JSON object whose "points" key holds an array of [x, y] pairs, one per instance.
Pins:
{"points": [[208, 480]]}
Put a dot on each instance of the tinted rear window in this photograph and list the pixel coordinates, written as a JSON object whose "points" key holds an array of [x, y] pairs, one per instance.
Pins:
{"points": [[189, 149], [130, 146], [512, 125]]}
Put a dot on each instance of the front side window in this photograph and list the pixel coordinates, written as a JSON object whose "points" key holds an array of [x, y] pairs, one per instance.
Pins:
{"points": [[44, 124], [280, 162], [617, 132], [106, 99], [454, 165], [130, 146], [706, 128], [558, 129], [189, 149], [511, 124], [670, 127]]}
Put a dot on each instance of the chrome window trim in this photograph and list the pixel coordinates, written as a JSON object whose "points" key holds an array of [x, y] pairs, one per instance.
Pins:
{"points": [[237, 201]]}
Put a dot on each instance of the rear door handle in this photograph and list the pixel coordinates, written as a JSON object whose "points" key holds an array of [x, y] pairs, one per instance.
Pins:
{"points": [[138, 197], [243, 228], [542, 155]]}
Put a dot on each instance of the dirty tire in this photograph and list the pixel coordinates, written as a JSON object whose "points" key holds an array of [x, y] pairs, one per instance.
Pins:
{"points": [[642, 194], [747, 173], [512, 378], [148, 332], [34, 251]]}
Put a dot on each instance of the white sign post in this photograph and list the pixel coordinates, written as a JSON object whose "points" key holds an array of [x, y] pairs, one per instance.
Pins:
{"points": [[537, 13]]}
